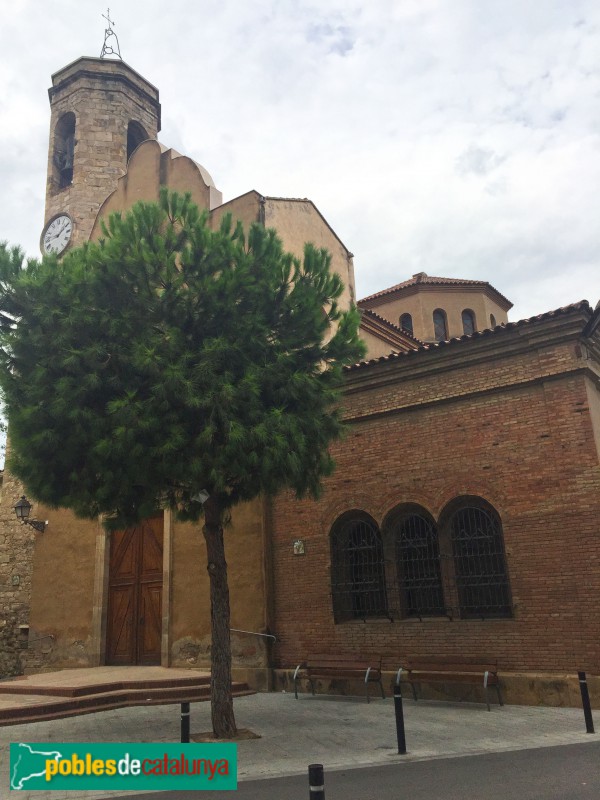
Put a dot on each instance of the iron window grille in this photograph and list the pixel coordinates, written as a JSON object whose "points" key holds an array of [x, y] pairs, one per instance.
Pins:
{"points": [[440, 325], [480, 564], [357, 570], [468, 322], [418, 567]]}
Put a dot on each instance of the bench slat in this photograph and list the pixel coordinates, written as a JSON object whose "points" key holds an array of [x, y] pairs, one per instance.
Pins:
{"points": [[340, 666], [458, 668], [450, 677], [431, 669]]}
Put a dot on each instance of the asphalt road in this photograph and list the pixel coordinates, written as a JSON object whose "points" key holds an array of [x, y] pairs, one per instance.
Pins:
{"points": [[569, 772]]}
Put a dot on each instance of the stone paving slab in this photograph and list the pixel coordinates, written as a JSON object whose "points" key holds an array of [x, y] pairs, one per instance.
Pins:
{"points": [[340, 732]]}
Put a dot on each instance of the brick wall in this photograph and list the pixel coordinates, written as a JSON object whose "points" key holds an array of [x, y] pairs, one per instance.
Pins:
{"points": [[503, 417]]}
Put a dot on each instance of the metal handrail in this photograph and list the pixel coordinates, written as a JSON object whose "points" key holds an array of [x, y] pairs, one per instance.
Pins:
{"points": [[255, 633]]}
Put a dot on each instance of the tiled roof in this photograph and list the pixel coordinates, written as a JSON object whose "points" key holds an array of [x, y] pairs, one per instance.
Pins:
{"points": [[582, 305], [387, 323], [421, 278]]}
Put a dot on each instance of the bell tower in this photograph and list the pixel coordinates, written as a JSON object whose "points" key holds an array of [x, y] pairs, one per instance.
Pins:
{"points": [[101, 110]]}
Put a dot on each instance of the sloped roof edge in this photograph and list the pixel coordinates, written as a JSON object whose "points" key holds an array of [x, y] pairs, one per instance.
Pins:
{"points": [[382, 322], [422, 279], [582, 305]]}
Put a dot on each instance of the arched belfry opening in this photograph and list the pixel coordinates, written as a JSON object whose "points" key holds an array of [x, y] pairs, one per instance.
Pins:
{"points": [[135, 136], [64, 151]]}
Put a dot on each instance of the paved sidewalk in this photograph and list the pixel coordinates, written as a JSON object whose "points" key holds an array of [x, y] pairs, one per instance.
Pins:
{"points": [[340, 732]]}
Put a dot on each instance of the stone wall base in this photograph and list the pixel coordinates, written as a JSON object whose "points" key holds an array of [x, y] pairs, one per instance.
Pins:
{"points": [[517, 688], [258, 678]]}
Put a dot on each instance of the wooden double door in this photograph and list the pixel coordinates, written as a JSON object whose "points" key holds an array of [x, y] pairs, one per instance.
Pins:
{"points": [[134, 621]]}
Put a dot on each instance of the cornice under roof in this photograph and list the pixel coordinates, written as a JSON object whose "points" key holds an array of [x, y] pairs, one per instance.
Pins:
{"points": [[582, 305], [422, 279]]}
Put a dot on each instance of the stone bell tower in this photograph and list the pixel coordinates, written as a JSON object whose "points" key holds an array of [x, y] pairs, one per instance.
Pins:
{"points": [[101, 110]]}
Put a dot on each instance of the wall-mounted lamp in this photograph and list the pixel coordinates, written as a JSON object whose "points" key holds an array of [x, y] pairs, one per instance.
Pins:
{"points": [[201, 497], [22, 510]]}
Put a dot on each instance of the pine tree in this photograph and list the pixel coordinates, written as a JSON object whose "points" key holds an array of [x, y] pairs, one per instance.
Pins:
{"points": [[169, 358]]}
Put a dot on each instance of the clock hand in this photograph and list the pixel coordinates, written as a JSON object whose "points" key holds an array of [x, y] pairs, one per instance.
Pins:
{"points": [[59, 233]]}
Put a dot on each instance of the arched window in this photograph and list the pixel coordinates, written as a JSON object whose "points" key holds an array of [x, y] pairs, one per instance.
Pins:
{"points": [[440, 325], [492, 320], [357, 568], [479, 561], [418, 565], [468, 322], [135, 136], [64, 150], [406, 323]]}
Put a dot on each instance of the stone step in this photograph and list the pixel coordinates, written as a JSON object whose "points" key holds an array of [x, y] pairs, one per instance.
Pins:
{"points": [[39, 709], [13, 687]]}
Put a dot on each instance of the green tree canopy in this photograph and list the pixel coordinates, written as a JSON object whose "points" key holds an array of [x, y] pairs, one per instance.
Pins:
{"points": [[168, 358]]}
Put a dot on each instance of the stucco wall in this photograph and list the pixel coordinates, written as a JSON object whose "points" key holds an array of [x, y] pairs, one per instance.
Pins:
{"points": [[422, 303], [245, 553], [150, 167], [298, 222], [375, 346], [62, 591]]}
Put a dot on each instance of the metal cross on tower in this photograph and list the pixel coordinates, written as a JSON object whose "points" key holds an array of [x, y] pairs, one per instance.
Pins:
{"points": [[108, 49]]}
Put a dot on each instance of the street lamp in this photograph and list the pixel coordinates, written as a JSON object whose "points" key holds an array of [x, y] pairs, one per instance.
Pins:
{"points": [[22, 510]]}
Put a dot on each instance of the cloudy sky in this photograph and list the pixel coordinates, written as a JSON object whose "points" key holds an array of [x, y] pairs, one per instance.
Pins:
{"points": [[456, 137]]}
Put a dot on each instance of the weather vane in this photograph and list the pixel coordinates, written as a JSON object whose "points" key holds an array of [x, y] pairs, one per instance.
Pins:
{"points": [[108, 48]]}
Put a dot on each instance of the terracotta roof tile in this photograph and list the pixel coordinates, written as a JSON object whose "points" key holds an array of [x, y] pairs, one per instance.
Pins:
{"points": [[421, 278], [582, 305]]}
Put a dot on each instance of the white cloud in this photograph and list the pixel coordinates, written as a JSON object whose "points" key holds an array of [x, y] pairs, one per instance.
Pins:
{"points": [[458, 137]]}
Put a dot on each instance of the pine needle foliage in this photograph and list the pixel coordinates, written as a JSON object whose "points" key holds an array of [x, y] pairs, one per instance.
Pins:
{"points": [[168, 358]]}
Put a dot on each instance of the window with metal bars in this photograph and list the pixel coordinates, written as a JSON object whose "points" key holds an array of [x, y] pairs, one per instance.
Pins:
{"points": [[357, 569], [440, 325], [468, 322], [418, 566], [479, 562]]}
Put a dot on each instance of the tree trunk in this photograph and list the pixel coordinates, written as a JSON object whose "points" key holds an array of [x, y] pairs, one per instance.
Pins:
{"points": [[223, 720]]}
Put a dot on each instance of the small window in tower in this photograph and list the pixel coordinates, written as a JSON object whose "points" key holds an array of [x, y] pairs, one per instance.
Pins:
{"points": [[135, 136], [406, 323], [468, 322], [492, 320], [64, 150], [440, 325]]}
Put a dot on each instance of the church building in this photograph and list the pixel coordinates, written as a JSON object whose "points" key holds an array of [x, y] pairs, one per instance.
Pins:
{"points": [[462, 518]]}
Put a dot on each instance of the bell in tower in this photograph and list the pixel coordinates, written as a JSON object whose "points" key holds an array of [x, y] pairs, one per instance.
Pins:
{"points": [[101, 110]]}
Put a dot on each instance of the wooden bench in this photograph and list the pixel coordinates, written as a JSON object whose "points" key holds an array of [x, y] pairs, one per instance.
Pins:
{"points": [[434, 669], [339, 666]]}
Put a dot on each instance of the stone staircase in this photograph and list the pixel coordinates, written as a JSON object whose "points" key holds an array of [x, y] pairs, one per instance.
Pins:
{"points": [[68, 693]]}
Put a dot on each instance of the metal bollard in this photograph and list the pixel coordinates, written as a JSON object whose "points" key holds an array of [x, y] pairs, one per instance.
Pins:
{"points": [[316, 782], [585, 700], [400, 735], [185, 723]]}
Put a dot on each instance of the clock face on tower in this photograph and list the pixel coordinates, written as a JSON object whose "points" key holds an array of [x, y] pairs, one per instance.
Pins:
{"points": [[57, 234]]}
